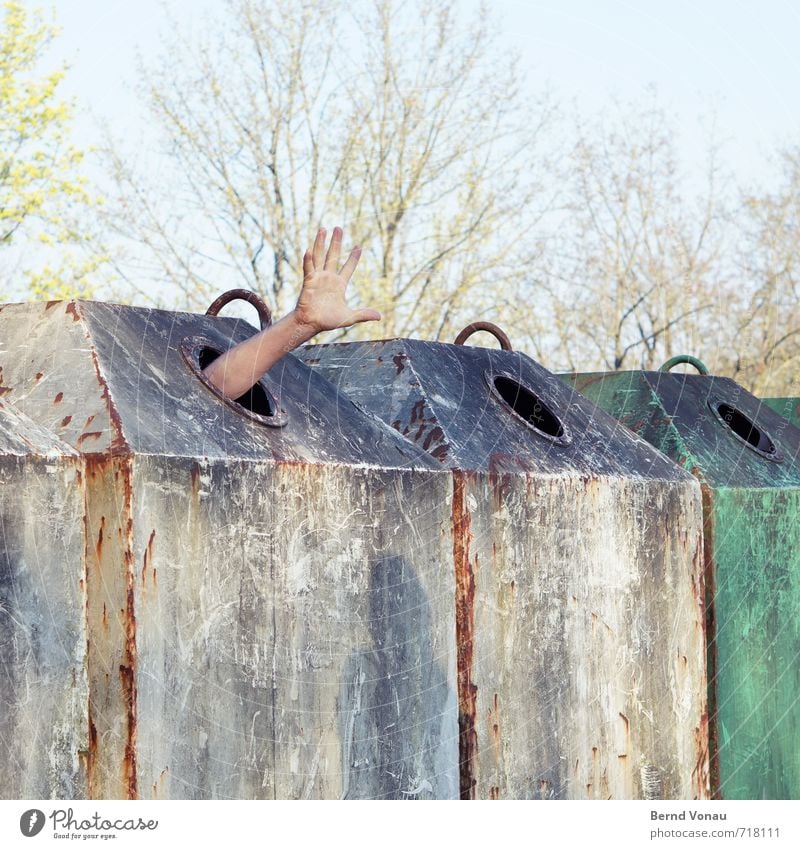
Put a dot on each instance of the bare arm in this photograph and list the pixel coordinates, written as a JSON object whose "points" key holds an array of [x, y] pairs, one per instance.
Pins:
{"points": [[321, 306]]}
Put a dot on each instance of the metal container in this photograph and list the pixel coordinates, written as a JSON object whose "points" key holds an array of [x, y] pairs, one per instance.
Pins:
{"points": [[268, 585], [579, 584], [789, 408], [746, 459], [43, 686]]}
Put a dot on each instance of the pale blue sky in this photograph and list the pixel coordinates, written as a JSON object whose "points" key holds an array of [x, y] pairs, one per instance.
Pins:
{"points": [[740, 58]]}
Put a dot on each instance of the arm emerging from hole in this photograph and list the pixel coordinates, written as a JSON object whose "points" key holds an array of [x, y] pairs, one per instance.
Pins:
{"points": [[321, 306]]}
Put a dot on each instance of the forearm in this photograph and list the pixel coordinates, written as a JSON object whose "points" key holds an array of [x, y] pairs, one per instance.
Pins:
{"points": [[241, 367]]}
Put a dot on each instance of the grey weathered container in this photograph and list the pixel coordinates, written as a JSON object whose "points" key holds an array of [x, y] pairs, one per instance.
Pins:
{"points": [[269, 610], [43, 687], [578, 573]]}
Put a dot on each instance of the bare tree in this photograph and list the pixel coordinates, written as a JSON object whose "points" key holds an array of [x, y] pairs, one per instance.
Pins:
{"points": [[402, 122], [631, 271], [765, 318]]}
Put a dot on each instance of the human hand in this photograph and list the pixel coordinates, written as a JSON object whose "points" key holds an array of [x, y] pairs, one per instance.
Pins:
{"points": [[321, 305]]}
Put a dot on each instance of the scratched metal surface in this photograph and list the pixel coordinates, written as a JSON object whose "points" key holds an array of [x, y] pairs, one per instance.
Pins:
{"points": [[266, 609], [43, 684], [579, 578], [752, 554]]}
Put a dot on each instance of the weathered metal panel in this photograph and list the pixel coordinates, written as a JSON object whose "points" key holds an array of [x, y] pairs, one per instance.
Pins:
{"points": [[746, 457], [579, 578], [266, 612], [305, 650], [43, 683]]}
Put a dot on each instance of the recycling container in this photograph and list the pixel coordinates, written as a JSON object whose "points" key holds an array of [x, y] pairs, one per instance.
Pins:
{"points": [[579, 581], [43, 686], [268, 582], [745, 457]]}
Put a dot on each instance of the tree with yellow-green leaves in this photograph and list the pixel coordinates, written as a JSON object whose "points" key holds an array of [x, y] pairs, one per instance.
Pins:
{"points": [[43, 195]]}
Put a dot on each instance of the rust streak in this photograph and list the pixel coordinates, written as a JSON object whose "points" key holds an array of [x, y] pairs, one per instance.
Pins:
{"points": [[66, 420], [706, 601], [127, 669], [465, 623], [59, 398], [72, 309], [148, 557], [92, 434]]}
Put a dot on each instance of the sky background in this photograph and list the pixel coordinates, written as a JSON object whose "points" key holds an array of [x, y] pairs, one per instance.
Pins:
{"points": [[739, 59]]}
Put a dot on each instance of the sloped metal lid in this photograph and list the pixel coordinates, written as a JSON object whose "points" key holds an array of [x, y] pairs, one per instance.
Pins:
{"points": [[480, 409], [710, 425], [107, 378]]}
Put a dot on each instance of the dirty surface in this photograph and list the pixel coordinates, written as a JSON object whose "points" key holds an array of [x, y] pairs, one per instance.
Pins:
{"points": [[579, 577]]}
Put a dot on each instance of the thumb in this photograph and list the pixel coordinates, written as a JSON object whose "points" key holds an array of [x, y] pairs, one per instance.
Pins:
{"points": [[365, 315]]}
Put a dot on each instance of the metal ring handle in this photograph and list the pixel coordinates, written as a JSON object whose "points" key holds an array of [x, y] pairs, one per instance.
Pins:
{"points": [[685, 358], [502, 338], [264, 312]]}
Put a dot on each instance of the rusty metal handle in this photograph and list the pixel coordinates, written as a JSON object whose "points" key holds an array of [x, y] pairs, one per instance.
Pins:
{"points": [[264, 312], [502, 338], [685, 358]]}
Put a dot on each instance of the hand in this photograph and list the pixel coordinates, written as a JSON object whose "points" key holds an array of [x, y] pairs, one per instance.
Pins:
{"points": [[321, 305]]}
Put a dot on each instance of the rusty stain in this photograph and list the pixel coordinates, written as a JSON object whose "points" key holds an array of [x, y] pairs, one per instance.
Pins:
{"points": [[127, 669], [91, 759], [88, 421], [92, 434], [148, 557], [701, 778], [59, 398], [494, 792], [440, 452], [159, 781], [72, 309], [399, 362], [465, 624], [435, 435], [118, 442], [105, 759], [710, 623], [627, 723], [39, 375], [195, 475], [66, 420]]}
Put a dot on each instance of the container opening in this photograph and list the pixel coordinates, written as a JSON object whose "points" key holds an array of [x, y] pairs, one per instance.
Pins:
{"points": [[745, 429], [255, 399], [528, 407], [257, 404]]}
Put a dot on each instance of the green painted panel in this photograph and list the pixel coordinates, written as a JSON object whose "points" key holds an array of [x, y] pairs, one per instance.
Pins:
{"points": [[789, 408]]}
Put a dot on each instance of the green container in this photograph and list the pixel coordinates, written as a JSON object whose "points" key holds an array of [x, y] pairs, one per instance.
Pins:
{"points": [[789, 408], [746, 458]]}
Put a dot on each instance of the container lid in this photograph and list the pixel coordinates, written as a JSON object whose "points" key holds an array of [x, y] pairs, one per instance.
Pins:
{"points": [[711, 425], [112, 379], [481, 409]]}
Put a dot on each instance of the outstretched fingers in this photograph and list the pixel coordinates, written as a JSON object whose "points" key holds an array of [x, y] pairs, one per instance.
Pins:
{"points": [[332, 258], [318, 252], [350, 264]]}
